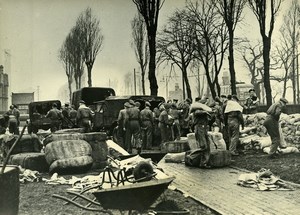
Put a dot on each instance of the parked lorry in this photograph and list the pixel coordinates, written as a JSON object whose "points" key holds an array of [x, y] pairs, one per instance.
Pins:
{"points": [[37, 115], [107, 110]]}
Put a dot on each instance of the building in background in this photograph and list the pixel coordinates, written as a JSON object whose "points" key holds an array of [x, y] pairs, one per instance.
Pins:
{"points": [[176, 94], [3, 90], [22, 100]]}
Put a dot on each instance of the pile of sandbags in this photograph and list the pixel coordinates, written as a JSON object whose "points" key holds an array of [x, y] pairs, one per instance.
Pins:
{"points": [[256, 120]]}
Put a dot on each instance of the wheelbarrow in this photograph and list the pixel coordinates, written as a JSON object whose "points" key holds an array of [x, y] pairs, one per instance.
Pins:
{"points": [[124, 194]]}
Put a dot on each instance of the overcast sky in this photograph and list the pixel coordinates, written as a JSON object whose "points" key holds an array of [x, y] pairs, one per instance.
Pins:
{"points": [[34, 30]]}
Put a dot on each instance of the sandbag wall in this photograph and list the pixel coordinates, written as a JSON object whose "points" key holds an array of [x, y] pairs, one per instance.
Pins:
{"points": [[97, 141], [290, 125]]}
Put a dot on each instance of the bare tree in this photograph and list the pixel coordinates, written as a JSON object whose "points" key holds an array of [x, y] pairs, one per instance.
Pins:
{"points": [[260, 10], [290, 38], [231, 11], [91, 39], [175, 44], [74, 44], [140, 45], [65, 57], [211, 40], [149, 9], [251, 55]]}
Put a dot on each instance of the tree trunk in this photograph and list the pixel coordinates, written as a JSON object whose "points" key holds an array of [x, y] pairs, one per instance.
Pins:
{"points": [[152, 66], [231, 63], [187, 84], [266, 57], [70, 88], [89, 71]]}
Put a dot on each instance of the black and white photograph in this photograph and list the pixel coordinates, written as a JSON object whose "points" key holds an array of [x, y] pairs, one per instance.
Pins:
{"points": [[149, 107]]}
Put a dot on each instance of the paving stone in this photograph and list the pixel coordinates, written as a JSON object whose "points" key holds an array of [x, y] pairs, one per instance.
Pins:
{"points": [[218, 189]]}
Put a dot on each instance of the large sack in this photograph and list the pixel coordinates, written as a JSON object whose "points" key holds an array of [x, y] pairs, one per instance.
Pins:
{"points": [[64, 149], [175, 157], [233, 106], [33, 161], [216, 141], [97, 141], [220, 158], [199, 106], [175, 146], [193, 143], [193, 157], [27, 143], [264, 142], [71, 165], [287, 150]]}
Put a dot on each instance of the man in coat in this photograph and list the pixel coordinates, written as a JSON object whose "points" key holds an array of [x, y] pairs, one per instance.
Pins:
{"points": [[84, 117], [56, 116], [147, 120]]}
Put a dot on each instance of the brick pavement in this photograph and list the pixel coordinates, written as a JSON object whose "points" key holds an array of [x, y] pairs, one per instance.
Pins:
{"points": [[218, 189]]}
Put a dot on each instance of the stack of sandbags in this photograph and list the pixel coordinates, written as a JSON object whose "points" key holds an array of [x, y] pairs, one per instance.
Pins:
{"points": [[97, 141], [256, 120], [217, 143], [69, 156]]}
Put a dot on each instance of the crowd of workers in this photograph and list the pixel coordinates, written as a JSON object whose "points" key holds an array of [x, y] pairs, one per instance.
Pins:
{"points": [[141, 129]]}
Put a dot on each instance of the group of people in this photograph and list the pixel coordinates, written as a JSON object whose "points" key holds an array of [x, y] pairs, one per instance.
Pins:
{"points": [[10, 120], [141, 129], [69, 117]]}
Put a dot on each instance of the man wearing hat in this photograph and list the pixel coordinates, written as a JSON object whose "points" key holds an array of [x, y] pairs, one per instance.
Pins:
{"points": [[132, 128], [251, 103], [13, 120], [175, 127], [121, 126], [272, 125], [65, 112], [164, 123], [147, 121], [184, 117], [56, 116], [84, 117]]}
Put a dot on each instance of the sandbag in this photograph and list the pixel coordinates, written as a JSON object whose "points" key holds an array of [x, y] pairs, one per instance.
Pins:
{"points": [[193, 157], [287, 150], [199, 106], [72, 165], [33, 161], [233, 106], [193, 143], [175, 157], [175, 146], [219, 158], [27, 143], [64, 149], [216, 141]]}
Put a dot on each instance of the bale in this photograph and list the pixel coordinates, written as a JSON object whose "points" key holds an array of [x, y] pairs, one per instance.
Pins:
{"points": [[32, 160], [64, 149], [73, 165]]}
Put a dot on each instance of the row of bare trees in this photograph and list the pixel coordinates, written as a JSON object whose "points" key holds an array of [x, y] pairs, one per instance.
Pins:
{"points": [[204, 32], [80, 48]]}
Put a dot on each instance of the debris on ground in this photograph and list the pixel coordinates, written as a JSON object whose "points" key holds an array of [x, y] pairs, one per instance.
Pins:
{"points": [[263, 180]]}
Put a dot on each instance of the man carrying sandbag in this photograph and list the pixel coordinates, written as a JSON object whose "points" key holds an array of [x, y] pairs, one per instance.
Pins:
{"points": [[201, 118], [233, 118], [272, 125]]}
